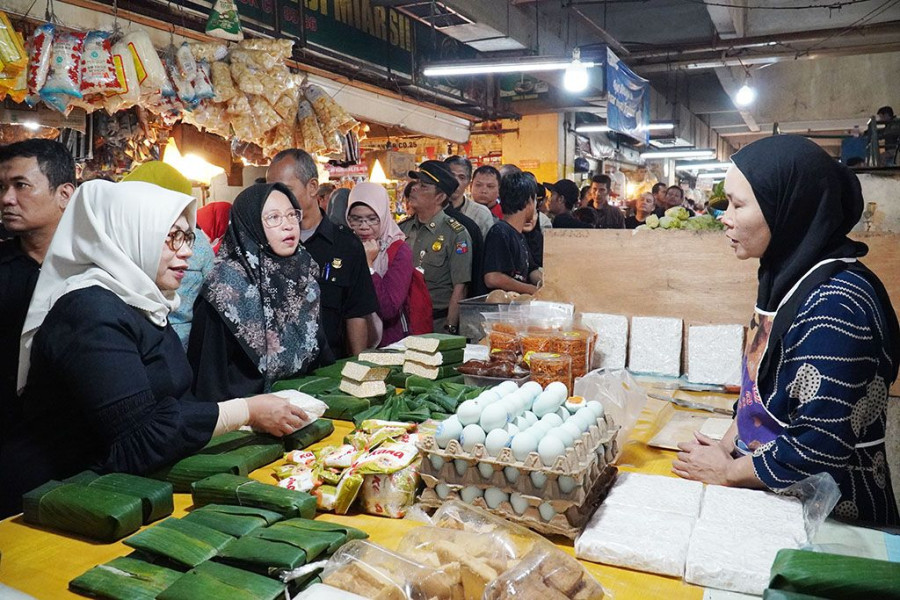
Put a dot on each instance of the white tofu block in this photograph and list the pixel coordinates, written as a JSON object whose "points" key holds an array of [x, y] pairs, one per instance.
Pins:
{"points": [[732, 558], [363, 389], [388, 358], [635, 538], [655, 346], [612, 339], [657, 493], [763, 511], [715, 353]]}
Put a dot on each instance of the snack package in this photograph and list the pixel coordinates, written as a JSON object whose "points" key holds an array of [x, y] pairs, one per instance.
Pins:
{"points": [[64, 73], [223, 85], [310, 134], [545, 573], [338, 457], [246, 74], [286, 105], [278, 49], [184, 59], [241, 117], [265, 117], [15, 86], [391, 494], [332, 117], [347, 490], [209, 52], [183, 87], [302, 481], [13, 57], [372, 571], [203, 88], [98, 73], [517, 540], [39, 49], [224, 21], [147, 64], [130, 87]]}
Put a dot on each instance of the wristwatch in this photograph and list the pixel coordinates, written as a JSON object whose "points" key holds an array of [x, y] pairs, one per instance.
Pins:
{"points": [[451, 329]]}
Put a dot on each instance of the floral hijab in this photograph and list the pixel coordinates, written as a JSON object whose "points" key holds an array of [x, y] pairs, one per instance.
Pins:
{"points": [[269, 303]]}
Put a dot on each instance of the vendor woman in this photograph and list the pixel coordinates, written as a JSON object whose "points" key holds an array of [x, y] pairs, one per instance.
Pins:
{"points": [[108, 383], [823, 346]]}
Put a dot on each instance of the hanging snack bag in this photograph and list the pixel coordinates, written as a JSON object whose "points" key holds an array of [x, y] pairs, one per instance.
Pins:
{"points": [[224, 21], [98, 73], [64, 73], [13, 57], [14, 86], [149, 68], [39, 48], [246, 74], [130, 87], [223, 85], [312, 140], [209, 51], [182, 86], [332, 115], [202, 86]]}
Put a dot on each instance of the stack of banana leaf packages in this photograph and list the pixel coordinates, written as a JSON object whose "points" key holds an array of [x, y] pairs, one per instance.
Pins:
{"points": [[181, 542], [238, 453], [215, 580], [307, 436], [243, 491], [805, 574], [125, 578], [236, 521], [105, 508]]}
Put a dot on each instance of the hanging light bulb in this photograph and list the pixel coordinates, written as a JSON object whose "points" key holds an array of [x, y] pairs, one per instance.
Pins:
{"points": [[747, 94], [576, 77]]}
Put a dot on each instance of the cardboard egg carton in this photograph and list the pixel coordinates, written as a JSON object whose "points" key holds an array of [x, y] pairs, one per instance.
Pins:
{"points": [[569, 519], [598, 443]]}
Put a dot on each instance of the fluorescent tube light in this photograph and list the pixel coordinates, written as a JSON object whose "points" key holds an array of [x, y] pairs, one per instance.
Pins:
{"points": [[680, 153], [511, 65], [703, 166], [603, 128]]}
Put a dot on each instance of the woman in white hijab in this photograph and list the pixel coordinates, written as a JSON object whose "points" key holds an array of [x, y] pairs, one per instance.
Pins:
{"points": [[105, 381]]}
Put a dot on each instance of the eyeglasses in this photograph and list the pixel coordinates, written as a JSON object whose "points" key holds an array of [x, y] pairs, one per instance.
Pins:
{"points": [[176, 239], [355, 221], [275, 219]]}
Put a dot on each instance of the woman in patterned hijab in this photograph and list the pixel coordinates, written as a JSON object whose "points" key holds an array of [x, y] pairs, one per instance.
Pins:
{"points": [[257, 318]]}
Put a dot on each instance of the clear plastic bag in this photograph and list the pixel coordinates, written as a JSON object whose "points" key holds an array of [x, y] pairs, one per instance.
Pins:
{"points": [[203, 88], [39, 50], [98, 73], [545, 575], [517, 540], [130, 87], [311, 135], [622, 397], [147, 64], [484, 555], [64, 73], [223, 84]]}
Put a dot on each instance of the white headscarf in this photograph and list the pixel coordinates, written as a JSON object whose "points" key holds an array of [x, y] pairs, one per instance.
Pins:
{"points": [[111, 235]]}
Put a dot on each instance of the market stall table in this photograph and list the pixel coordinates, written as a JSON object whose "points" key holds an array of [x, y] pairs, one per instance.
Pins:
{"points": [[41, 563]]}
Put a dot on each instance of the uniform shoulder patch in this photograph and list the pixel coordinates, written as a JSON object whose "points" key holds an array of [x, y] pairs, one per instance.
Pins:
{"points": [[456, 225]]}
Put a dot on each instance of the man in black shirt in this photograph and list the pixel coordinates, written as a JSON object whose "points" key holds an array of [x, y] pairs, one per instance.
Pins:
{"points": [[349, 302], [563, 198], [37, 178], [507, 264]]}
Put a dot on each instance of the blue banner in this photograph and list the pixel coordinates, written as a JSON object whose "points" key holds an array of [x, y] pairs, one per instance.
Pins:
{"points": [[628, 99]]}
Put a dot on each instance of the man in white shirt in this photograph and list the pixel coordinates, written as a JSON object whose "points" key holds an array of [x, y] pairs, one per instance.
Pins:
{"points": [[462, 170]]}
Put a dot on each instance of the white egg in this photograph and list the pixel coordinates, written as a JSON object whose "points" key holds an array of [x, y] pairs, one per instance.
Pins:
{"points": [[512, 474], [547, 511], [539, 429], [552, 419], [469, 493], [494, 496], [442, 490], [559, 390], [533, 388], [512, 429], [489, 396], [471, 435], [523, 444], [544, 404], [538, 479], [436, 461], [449, 429], [550, 448], [494, 416], [563, 413], [496, 440], [511, 406], [519, 503], [532, 418], [508, 387], [486, 470], [468, 412], [573, 403], [461, 466], [563, 435], [596, 408], [585, 418], [566, 484], [573, 428], [522, 422]]}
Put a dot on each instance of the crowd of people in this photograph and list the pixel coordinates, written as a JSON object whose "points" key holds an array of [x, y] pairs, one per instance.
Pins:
{"points": [[135, 327]]}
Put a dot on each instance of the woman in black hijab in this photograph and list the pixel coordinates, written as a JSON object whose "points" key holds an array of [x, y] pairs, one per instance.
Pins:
{"points": [[824, 344], [257, 318]]}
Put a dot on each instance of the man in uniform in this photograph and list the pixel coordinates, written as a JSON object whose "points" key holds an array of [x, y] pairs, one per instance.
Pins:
{"points": [[441, 246], [349, 302]]}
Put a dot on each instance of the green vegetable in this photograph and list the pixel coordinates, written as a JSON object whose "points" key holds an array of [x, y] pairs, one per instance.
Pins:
{"points": [[124, 578], [678, 212], [652, 221], [835, 576]]}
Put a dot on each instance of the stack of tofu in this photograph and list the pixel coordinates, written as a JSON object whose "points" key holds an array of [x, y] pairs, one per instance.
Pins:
{"points": [[364, 379], [434, 355]]}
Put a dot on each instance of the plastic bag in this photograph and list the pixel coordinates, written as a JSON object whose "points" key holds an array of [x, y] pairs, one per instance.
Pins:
{"points": [[98, 73], [224, 21], [210, 52], [202, 85], [545, 574], [390, 494], [311, 135], [64, 73], [147, 64], [13, 56], [622, 398], [327, 110], [15, 86], [245, 74], [364, 568], [39, 49], [265, 117], [517, 540], [183, 87], [130, 94], [223, 84]]}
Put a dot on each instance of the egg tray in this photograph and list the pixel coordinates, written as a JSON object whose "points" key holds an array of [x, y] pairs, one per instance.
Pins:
{"points": [[569, 520], [598, 442]]}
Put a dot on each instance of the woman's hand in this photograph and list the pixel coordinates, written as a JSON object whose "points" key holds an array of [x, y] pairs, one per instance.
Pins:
{"points": [[703, 459], [274, 415], [372, 248]]}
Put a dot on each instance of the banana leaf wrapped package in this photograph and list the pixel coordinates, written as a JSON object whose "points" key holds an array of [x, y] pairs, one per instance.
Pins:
{"points": [[156, 496], [243, 491], [75, 508], [183, 542], [322, 534], [233, 520], [835, 576], [309, 435], [125, 578], [215, 580], [267, 549]]}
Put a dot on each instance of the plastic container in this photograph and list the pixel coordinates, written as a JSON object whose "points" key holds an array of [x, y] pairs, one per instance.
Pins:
{"points": [[579, 345], [503, 330], [547, 367], [484, 381]]}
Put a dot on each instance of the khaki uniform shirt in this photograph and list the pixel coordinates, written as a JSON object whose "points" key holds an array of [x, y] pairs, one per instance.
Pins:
{"points": [[442, 249]]}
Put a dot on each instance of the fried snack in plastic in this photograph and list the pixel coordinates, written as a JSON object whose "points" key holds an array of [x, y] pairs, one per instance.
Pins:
{"points": [[265, 116], [547, 367], [223, 84], [310, 133], [279, 49], [209, 51], [246, 75]]}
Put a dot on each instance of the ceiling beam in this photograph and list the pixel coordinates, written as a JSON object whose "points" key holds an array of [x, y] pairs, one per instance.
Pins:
{"points": [[730, 21]]}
